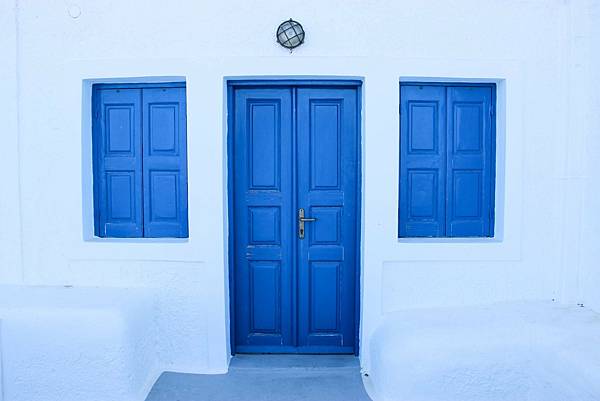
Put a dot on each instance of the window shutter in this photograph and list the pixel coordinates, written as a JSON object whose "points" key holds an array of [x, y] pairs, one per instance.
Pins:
{"points": [[422, 161], [165, 162], [469, 162], [118, 162]]}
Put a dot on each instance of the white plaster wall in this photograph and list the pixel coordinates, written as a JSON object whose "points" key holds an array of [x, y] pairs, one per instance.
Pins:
{"points": [[508, 351], [589, 275], [524, 45], [10, 229]]}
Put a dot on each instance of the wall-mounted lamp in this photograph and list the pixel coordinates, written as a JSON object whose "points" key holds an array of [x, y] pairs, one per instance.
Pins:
{"points": [[290, 34]]}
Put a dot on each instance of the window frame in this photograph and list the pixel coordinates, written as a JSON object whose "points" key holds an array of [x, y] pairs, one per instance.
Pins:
{"points": [[492, 158], [96, 87]]}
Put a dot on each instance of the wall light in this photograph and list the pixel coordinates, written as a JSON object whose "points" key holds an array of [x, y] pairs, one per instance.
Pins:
{"points": [[290, 34]]}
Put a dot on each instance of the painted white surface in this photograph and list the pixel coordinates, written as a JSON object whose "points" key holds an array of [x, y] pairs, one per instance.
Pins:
{"points": [[84, 343], [77, 344], [589, 78], [10, 231], [539, 51], [514, 351]]}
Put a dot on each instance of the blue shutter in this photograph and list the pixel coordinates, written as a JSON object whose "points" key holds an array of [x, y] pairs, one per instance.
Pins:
{"points": [[422, 161], [469, 162], [117, 162], [165, 162]]}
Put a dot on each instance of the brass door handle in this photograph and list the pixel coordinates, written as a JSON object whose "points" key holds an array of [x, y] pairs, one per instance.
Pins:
{"points": [[301, 221]]}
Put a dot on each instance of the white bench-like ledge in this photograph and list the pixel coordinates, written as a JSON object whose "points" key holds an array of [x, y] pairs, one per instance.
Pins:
{"points": [[90, 344], [77, 344], [534, 351]]}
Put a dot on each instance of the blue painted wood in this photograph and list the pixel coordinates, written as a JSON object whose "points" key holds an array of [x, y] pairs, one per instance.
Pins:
{"points": [[422, 161], [263, 218], [118, 162], [294, 147], [165, 163], [447, 160], [295, 83], [469, 162], [449, 84], [139, 85], [327, 187], [140, 161]]}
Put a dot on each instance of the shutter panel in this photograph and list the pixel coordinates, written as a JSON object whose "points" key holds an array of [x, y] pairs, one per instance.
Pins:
{"points": [[117, 162], [422, 161], [470, 162], [165, 162]]}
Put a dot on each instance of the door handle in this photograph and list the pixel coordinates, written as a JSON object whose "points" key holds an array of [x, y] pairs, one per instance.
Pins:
{"points": [[301, 221]]}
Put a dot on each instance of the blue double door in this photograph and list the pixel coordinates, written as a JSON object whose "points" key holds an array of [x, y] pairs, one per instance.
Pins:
{"points": [[295, 218]]}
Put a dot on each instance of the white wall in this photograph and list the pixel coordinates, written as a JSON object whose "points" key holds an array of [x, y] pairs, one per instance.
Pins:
{"points": [[524, 45], [588, 280], [10, 228]]}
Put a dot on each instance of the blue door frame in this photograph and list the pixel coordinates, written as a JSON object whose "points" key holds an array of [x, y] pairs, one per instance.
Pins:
{"points": [[298, 339]]}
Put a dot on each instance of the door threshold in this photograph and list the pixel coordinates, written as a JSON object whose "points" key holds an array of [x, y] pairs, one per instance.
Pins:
{"points": [[287, 361]]}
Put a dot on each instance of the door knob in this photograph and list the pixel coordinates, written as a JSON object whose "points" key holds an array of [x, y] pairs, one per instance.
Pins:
{"points": [[301, 221]]}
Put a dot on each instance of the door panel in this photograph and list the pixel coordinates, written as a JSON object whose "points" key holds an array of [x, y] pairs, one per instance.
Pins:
{"points": [[327, 168], [263, 218], [295, 148]]}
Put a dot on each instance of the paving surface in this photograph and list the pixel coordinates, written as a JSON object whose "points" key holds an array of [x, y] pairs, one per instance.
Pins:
{"points": [[269, 378]]}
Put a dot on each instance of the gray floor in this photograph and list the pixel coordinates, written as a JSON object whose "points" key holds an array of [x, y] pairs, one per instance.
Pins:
{"points": [[269, 378]]}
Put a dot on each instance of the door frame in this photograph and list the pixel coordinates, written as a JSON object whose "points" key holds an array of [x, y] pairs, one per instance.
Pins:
{"points": [[231, 85]]}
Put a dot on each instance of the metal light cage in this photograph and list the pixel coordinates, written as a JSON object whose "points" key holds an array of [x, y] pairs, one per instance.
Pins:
{"points": [[290, 34]]}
